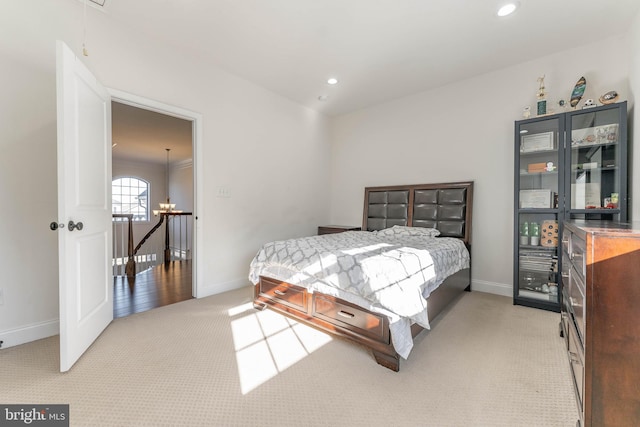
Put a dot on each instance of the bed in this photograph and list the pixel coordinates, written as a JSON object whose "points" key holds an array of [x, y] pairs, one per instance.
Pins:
{"points": [[381, 286]]}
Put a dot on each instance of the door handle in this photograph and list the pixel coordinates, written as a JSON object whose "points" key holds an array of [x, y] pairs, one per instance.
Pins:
{"points": [[74, 226], [54, 226]]}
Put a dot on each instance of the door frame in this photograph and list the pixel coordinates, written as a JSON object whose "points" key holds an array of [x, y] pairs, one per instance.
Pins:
{"points": [[196, 135]]}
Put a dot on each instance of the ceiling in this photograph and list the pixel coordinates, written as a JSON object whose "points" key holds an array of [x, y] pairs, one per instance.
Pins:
{"points": [[378, 49], [143, 136]]}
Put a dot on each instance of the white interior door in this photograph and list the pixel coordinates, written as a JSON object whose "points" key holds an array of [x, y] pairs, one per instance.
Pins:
{"points": [[84, 196]]}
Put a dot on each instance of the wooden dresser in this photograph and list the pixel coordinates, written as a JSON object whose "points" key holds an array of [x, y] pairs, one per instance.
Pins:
{"points": [[600, 319]]}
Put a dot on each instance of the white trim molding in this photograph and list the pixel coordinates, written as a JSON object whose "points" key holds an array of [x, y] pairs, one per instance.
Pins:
{"points": [[198, 171], [492, 288], [28, 333], [218, 288]]}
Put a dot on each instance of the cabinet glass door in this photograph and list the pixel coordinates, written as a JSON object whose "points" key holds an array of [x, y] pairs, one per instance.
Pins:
{"points": [[539, 161], [596, 163], [537, 269], [539, 186]]}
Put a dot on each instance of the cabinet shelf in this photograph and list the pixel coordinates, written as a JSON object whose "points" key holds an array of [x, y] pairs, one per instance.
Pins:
{"points": [[537, 152], [538, 295], [575, 146], [538, 303], [599, 169], [596, 211], [539, 173], [538, 210], [540, 271], [538, 247]]}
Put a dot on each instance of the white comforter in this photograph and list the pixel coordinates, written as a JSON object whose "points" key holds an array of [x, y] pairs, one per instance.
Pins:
{"points": [[391, 271]]}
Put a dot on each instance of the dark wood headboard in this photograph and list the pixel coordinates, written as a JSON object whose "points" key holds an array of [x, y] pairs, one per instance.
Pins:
{"points": [[446, 207]]}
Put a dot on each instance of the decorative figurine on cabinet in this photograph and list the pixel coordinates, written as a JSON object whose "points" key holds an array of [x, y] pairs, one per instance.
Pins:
{"points": [[526, 112], [562, 104], [578, 91], [609, 97], [541, 95]]}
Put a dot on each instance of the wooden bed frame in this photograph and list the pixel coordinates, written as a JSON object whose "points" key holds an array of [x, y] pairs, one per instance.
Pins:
{"points": [[446, 206]]}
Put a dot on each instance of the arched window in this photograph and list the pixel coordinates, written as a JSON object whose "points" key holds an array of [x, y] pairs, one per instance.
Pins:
{"points": [[130, 195]]}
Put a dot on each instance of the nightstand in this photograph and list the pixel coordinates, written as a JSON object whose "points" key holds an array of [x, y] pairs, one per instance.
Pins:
{"points": [[330, 229]]}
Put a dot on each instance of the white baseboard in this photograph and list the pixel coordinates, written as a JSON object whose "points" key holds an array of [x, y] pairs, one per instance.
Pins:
{"points": [[218, 288], [25, 334], [492, 288]]}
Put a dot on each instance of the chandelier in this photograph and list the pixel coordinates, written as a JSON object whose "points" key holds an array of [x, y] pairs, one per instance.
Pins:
{"points": [[167, 206]]}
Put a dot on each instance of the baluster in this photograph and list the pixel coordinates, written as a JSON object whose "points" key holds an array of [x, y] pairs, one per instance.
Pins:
{"points": [[121, 257], [114, 259], [179, 256], [130, 268]]}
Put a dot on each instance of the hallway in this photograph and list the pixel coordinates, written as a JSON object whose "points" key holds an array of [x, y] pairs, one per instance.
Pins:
{"points": [[156, 287]]}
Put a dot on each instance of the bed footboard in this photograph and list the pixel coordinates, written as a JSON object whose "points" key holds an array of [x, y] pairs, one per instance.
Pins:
{"points": [[343, 319], [329, 314]]}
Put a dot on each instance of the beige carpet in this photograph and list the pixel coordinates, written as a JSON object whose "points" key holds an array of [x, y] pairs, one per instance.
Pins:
{"points": [[217, 362]]}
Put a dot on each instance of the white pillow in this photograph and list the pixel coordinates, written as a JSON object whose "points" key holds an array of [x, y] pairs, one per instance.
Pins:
{"points": [[403, 231]]}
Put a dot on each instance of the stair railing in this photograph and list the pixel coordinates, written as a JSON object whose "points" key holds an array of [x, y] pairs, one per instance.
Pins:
{"points": [[119, 241], [150, 250]]}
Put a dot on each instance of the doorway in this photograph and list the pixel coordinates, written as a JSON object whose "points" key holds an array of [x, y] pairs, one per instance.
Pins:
{"points": [[155, 145]]}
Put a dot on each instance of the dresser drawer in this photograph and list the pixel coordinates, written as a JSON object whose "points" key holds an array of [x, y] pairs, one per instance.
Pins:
{"points": [[566, 268], [356, 319], [565, 317], [577, 255], [576, 360], [566, 237], [577, 300], [284, 293]]}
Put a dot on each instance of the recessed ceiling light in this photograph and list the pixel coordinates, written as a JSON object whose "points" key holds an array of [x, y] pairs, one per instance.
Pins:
{"points": [[332, 81], [323, 98], [507, 9]]}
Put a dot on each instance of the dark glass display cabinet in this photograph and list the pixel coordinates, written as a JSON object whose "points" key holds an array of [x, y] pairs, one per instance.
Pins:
{"points": [[570, 165]]}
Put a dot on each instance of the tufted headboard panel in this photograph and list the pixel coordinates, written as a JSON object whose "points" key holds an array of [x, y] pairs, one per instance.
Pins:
{"points": [[446, 206], [388, 208]]}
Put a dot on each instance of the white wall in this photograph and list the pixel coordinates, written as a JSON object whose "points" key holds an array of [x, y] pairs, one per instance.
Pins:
{"points": [[270, 153], [181, 185], [464, 131], [28, 252]]}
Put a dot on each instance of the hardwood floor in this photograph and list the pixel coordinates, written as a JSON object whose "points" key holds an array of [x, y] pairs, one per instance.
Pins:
{"points": [[156, 287]]}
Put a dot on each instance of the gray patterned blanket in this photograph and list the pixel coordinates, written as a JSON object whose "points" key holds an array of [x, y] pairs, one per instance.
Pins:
{"points": [[390, 271]]}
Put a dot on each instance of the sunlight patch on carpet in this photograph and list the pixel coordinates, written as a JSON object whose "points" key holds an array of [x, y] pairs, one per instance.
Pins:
{"points": [[267, 343]]}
